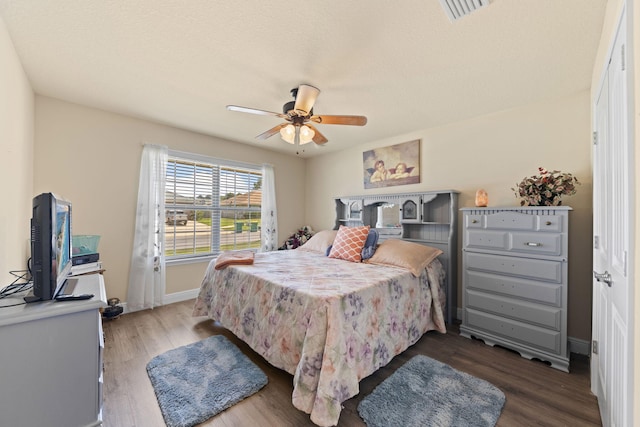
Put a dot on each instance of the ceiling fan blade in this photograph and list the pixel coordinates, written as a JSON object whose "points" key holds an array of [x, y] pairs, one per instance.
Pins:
{"points": [[340, 120], [305, 98], [271, 132], [318, 138], [254, 111]]}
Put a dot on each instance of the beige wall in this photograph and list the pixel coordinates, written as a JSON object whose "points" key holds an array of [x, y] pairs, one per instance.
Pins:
{"points": [[493, 152], [16, 160], [92, 158]]}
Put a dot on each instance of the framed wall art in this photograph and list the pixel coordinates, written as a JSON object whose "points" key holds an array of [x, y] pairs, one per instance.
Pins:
{"points": [[393, 165]]}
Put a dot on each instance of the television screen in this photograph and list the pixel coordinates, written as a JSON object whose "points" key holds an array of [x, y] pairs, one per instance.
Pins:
{"points": [[63, 237], [50, 245]]}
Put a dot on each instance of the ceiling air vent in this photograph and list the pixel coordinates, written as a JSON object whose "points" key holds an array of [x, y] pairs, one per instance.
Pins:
{"points": [[457, 9]]}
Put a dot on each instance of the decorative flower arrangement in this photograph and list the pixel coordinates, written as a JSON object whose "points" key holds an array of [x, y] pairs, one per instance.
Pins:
{"points": [[298, 238], [546, 189]]}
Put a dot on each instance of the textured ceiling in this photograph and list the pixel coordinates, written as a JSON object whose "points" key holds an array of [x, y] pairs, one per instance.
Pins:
{"points": [[404, 65]]}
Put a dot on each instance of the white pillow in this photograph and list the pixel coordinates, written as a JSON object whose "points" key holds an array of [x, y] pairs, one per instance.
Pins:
{"points": [[319, 242]]}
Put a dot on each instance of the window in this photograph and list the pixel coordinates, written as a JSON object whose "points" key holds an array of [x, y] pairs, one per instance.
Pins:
{"points": [[210, 206]]}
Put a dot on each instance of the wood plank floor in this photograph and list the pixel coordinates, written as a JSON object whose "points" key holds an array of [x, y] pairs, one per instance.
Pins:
{"points": [[536, 394]]}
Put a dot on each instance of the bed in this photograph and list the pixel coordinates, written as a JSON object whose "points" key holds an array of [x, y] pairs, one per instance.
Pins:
{"points": [[328, 322]]}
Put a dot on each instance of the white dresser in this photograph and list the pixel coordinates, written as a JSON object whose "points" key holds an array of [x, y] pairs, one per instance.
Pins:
{"points": [[514, 286], [51, 360]]}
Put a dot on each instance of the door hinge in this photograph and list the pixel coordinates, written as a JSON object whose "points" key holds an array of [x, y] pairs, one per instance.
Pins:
{"points": [[595, 138], [596, 242], [622, 58], [594, 347]]}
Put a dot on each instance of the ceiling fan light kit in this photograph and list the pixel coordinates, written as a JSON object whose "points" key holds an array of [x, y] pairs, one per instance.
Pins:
{"points": [[288, 134], [306, 134], [298, 114], [297, 135]]}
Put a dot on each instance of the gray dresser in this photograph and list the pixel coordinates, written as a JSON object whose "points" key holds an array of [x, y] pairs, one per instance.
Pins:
{"points": [[514, 286], [51, 352]]}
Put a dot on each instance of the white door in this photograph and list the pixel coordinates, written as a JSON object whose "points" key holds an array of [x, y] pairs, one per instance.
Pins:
{"points": [[611, 294]]}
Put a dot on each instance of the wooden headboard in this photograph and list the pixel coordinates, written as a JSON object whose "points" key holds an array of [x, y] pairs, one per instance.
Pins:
{"points": [[429, 218]]}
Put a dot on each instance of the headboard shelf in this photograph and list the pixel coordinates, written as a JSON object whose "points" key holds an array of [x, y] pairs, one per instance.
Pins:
{"points": [[428, 218]]}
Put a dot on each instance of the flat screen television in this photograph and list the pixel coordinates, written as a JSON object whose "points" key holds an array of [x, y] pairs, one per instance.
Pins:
{"points": [[51, 249]]}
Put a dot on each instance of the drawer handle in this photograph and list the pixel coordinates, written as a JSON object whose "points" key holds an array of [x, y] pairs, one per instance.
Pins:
{"points": [[532, 244], [474, 221], [548, 223]]}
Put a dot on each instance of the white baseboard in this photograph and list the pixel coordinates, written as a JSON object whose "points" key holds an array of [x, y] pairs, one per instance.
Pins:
{"points": [[181, 296], [576, 345], [171, 298]]}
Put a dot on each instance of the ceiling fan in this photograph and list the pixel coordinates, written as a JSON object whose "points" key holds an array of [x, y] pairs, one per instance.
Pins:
{"points": [[297, 129]]}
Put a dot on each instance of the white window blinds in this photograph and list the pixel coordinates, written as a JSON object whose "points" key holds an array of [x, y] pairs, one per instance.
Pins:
{"points": [[211, 206]]}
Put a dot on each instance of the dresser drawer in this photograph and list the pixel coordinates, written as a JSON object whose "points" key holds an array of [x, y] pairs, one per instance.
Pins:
{"points": [[507, 220], [549, 223], [515, 241], [485, 239], [474, 221], [530, 335], [536, 243], [548, 317], [537, 269], [510, 221], [545, 293]]}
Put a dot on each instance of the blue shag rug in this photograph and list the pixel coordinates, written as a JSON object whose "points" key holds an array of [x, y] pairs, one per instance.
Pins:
{"points": [[425, 392], [195, 382]]}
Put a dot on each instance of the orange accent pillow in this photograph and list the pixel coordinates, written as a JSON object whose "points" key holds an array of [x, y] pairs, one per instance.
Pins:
{"points": [[400, 253], [349, 243]]}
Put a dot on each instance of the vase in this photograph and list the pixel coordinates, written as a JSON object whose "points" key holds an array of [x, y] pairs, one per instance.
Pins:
{"points": [[543, 202]]}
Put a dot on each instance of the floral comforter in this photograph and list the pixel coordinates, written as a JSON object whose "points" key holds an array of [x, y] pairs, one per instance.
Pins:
{"points": [[328, 322]]}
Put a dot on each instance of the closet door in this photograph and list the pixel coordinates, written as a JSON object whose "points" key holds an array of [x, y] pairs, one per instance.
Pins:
{"points": [[612, 357]]}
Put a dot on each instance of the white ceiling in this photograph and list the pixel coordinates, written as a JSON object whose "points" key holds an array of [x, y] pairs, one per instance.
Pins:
{"points": [[403, 64]]}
